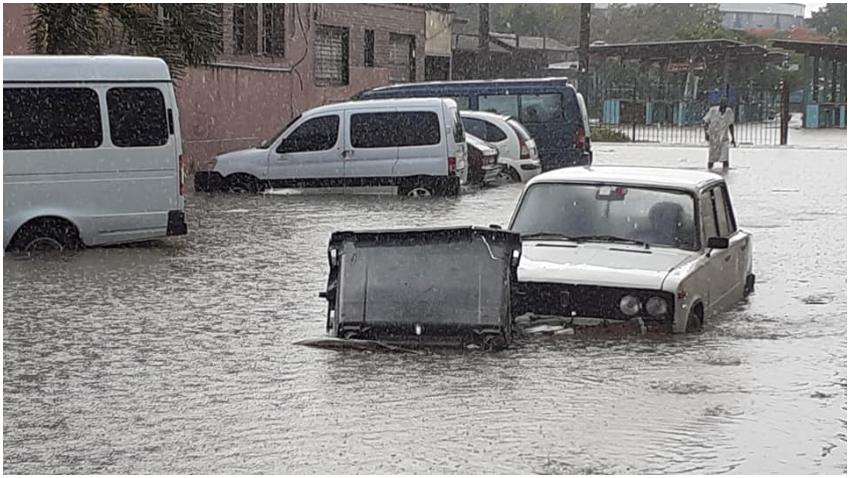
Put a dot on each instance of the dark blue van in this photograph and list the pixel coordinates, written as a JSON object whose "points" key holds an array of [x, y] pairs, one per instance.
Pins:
{"points": [[550, 108]]}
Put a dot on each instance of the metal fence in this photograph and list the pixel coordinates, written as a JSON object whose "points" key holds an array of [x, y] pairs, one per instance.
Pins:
{"points": [[654, 115]]}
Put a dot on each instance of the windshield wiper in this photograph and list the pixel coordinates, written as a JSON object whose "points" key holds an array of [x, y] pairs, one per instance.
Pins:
{"points": [[609, 238], [546, 235]]}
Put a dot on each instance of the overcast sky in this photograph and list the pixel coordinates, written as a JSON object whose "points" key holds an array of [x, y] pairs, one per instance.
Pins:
{"points": [[813, 7]]}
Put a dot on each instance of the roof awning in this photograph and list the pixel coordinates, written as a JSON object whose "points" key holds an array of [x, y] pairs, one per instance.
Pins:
{"points": [[812, 48]]}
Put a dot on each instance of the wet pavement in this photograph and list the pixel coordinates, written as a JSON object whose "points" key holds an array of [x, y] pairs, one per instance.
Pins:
{"points": [[177, 356]]}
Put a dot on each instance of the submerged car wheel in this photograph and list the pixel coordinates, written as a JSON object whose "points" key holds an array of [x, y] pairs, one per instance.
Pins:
{"points": [[695, 319], [242, 183], [509, 175], [749, 285], [416, 188]]}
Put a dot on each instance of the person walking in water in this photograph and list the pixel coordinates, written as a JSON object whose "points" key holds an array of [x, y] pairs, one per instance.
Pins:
{"points": [[716, 122]]}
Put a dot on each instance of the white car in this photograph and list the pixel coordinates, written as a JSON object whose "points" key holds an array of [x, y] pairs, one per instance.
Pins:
{"points": [[517, 150], [417, 145], [612, 244]]}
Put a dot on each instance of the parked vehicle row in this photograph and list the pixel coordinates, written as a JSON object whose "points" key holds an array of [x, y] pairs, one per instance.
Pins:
{"points": [[551, 109]]}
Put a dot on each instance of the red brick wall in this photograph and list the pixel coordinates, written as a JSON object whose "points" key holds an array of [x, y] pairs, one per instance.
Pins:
{"points": [[223, 109]]}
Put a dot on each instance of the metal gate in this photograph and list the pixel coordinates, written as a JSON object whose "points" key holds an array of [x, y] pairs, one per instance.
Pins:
{"points": [[654, 115]]}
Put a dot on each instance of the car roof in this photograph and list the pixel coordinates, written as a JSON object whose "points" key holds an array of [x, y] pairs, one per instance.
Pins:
{"points": [[393, 102], [71, 68], [559, 81], [687, 179]]}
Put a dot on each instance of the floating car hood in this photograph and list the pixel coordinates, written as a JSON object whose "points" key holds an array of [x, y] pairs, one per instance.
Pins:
{"points": [[408, 284], [603, 264]]}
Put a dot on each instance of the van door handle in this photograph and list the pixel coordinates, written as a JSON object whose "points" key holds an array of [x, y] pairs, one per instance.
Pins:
{"points": [[727, 258], [347, 153]]}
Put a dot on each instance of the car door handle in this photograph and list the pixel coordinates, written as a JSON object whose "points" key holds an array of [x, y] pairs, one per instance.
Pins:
{"points": [[727, 258], [347, 153]]}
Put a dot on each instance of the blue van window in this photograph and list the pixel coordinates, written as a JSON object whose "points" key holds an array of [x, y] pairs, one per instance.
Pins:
{"points": [[543, 108], [462, 102], [503, 104]]}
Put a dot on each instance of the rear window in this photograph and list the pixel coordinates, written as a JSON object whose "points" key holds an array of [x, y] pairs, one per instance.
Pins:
{"points": [[520, 129], [541, 108], [137, 117], [51, 118], [385, 130], [459, 130]]}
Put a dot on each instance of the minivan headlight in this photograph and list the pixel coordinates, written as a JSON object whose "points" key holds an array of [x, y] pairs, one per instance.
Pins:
{"points": [[629, 305], [656, 306]]}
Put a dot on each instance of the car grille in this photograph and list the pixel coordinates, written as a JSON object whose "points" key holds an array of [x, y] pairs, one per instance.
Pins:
{"points": [[573, 300]]}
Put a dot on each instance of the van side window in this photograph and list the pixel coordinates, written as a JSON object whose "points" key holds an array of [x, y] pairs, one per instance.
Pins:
{"points": [[315, 134], [387, 130], [503, 104], [51, 118], [462, 102], [137, 117], [543, 108]]}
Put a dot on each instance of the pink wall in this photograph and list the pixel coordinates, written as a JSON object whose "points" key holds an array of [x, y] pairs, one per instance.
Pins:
{"points": [[15, 28], [224, 109]]}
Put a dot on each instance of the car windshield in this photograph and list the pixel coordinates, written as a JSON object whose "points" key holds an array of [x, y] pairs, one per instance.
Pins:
{"points": [[268, 142], [608, 212]]}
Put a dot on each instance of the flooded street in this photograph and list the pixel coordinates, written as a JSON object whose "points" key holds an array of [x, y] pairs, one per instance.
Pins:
{"points": [[177, 356]]}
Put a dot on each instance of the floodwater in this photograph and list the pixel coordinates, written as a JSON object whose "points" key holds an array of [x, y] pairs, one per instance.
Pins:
{"points": [[177, 356]]}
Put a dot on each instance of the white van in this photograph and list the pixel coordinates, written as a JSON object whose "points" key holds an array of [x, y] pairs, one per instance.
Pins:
{"points": [[91, 151], [417, 145]]}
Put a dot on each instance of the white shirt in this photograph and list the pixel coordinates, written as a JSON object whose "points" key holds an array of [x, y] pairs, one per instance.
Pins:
{"points": [[718, 124]]}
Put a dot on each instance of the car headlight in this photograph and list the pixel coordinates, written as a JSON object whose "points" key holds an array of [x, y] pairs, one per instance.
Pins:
{"points": [[656, 306], [629, 305]]}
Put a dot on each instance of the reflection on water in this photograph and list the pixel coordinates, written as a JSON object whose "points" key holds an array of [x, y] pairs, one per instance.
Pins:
{"points": [[177, 356]]}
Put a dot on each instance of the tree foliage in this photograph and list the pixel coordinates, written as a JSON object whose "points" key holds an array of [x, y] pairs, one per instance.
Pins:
{"points": [[181, 34], [831, 20], [619, 23]]}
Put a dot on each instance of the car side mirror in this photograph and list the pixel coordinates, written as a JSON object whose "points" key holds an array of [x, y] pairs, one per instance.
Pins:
{"points": [[718, 243]]}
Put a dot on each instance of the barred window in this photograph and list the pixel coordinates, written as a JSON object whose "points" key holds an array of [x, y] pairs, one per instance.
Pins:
{"points": [[273, 28], [402, 62], [331, 56]]}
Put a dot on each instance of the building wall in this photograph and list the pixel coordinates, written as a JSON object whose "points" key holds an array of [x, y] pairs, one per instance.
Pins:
{"points": [[243, 99], [770, 16]]}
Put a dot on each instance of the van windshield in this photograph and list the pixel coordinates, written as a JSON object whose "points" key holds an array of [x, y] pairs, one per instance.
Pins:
{"points": [[268, 142]]}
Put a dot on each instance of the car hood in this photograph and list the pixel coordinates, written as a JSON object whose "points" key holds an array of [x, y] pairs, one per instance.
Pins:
{"points": [[602, 264], [235, 161]]}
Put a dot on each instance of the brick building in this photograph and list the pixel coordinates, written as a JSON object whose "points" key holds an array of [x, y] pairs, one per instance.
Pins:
{"points": [[279, 60]]}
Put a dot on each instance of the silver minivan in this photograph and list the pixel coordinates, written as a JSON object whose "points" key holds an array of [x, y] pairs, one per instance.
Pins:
{"points": [[416, 145]]}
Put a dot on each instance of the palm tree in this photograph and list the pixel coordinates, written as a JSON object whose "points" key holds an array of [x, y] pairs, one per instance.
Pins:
{"points": [[181, 34]]}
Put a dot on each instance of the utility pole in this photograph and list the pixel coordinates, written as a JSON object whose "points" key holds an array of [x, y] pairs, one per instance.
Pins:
{"points": [[584, 48], [484, 40]]}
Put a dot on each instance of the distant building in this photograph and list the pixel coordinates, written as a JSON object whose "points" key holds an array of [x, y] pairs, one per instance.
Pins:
{"points": [[762, 16]]}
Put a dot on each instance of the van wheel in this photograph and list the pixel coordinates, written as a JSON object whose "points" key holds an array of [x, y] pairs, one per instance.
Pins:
{"points": [[242, 183], [48, 234], [416, 188], [695, 320]]}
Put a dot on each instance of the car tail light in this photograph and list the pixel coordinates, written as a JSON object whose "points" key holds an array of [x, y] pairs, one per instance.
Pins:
{"points": [[524, 152], [580, 138], [180, 173], [452, 166]]}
